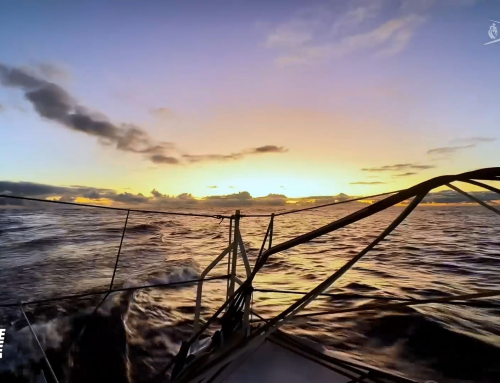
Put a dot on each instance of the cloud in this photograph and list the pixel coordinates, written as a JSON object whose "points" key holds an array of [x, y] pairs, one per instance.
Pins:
{"points": [[234, 156], [52, 102], [158, 200], [398, 168], [449, 149], [212, 187], [53, 71], [324, 34], [368, 183], [211, 157], [268, 149], [163, 113], [473, 140], [156, 193], [355, 16], [320, 33], [30, 189], [451, 196], [407, 174], [389, 38], [467, 143], [2, 108], [289, 35], [161, 159]]}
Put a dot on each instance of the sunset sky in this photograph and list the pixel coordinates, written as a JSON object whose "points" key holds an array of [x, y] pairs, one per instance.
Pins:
{"points": [[301, 98]]}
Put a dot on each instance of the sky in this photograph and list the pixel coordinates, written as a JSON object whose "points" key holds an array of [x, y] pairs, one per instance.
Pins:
{"points": [[193, 98]]}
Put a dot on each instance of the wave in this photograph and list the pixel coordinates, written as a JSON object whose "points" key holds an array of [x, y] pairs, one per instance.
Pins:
{"points": [[143, 228], [41, 243], [100, 347], [454, 354]]}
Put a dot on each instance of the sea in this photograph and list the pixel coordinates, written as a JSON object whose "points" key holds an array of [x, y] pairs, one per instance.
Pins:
{"points": [[49, 251]]}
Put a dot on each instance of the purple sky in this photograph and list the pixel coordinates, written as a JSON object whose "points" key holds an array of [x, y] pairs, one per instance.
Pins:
{"points": [[329, 88]]}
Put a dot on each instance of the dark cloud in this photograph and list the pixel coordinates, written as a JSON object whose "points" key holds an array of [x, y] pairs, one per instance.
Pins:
{"points": [[2, 108], [241, 196], [269, 149], [405, 174], [66, 199], [467, 143], [128, 198], [54, 103], [93, 194], [234, 156], [451, 196], [30, 189], [161, 159], [157, 200], [473, 140], [243, 199], [449, 149], [368, 183], [211, 157], [398, 168], [156, 193], [36, 190]]}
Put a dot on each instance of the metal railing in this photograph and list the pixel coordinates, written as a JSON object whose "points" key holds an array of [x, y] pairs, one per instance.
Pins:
{"points": [[417, 193]]}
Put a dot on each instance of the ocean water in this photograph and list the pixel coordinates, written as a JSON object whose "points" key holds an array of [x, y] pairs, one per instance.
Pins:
{"points": [[50, 251]]}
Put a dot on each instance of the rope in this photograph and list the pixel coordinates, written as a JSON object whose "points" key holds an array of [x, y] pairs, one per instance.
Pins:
{"points": [[339, 295], [319, 206], [39, 345], [472, 198], [77, 296], [215, 216], [459, 177], [485, 186], [336, 203], [417, 191]]}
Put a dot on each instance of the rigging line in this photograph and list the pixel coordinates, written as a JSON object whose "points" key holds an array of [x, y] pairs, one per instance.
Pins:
{"points": [[337, 203], [485, 186], [39, 345], [268, 232], [459, 177], [465, 297], [319, 206], [469, 303], [215, 216], [417, 190], [423, 187], [77, 296], [306, 299], [338, 295], [119, 251], [458, 190], [229, 255], [116, 266], [274, 323]]}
